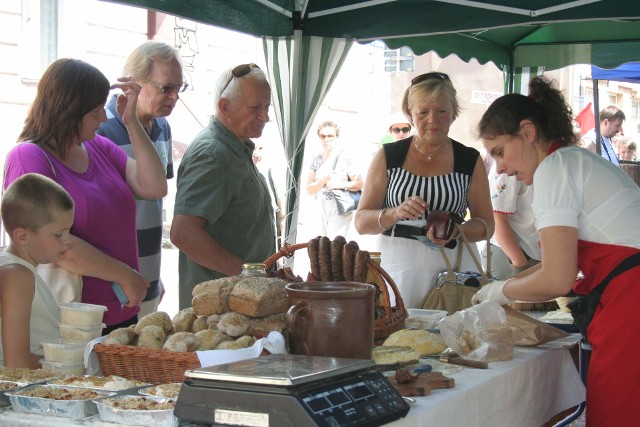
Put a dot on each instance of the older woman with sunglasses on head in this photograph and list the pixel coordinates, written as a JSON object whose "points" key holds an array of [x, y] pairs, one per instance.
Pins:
{"points": [[426, 171]]}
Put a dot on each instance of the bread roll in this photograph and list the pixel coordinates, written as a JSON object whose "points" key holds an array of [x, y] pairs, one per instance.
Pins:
{"points": [[261, 326], [183, 320], [210, 338], [424, 342], [200, 324], [158, 318], [182, 342], [121, 336], [259, 296], [234, 324], [152, 336]]}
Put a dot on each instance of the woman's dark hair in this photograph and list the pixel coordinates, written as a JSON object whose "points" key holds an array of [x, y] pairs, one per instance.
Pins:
{"points": [[545, 107], [68, 90]]}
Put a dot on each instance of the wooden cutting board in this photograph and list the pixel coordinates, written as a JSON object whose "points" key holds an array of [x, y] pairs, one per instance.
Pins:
{"points": [[423, 385]]}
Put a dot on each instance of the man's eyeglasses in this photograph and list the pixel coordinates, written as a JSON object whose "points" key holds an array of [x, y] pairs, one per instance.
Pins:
{"points": [[403, 130], [239, 71], [429, 76], [165, 89], [322, 136]]}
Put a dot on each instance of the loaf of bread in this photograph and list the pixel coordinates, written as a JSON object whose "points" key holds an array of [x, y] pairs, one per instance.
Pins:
{"points": [[212, 296], [259, 296], [424, 342], [391, 354]]}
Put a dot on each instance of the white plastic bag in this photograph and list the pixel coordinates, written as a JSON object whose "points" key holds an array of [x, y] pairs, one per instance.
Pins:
{"points": [[479, 332]]}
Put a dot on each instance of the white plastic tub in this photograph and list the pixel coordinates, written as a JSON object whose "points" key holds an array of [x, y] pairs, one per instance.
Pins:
{"points": [[79, 334], [64, 368], [60, 352], [81, 314]]}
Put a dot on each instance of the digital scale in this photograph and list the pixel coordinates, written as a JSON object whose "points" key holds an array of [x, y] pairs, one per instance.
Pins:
{"points": [[280, 390]]}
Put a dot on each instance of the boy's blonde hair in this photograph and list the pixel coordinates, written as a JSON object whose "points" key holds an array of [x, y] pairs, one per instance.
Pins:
{"points": [[30, 200]]}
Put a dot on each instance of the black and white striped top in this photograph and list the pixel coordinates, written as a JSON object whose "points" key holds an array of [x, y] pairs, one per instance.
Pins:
{"points": [[443, 192]]}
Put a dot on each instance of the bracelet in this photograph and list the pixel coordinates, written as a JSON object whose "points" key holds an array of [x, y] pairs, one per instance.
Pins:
{"points": [[382, 211]]}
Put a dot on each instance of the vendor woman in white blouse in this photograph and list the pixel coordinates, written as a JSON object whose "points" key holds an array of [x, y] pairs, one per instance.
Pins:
{"points": [[582, 204]]}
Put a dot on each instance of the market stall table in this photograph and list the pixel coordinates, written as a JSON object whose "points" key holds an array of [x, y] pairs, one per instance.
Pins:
{"points": [[528, 390]]}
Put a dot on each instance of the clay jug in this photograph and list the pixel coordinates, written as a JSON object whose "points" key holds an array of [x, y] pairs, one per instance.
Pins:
{"points": [[332, 319]]}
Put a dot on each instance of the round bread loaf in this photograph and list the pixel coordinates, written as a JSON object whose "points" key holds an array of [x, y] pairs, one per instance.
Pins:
{"points": [[424, 341]]}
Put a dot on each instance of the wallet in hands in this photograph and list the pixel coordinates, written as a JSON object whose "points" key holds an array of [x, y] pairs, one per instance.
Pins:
{"points": [[443, 223]]}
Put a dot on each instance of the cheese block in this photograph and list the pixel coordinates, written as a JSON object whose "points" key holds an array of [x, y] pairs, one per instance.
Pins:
{"points": [[424, 342], [389, 355]]}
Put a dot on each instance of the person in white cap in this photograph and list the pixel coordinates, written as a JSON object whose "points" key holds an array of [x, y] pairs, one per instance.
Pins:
{"points": [[399, 127]]}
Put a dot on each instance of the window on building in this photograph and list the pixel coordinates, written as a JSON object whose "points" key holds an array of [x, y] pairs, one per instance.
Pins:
{"points": [[396, 60], [635, 105]]}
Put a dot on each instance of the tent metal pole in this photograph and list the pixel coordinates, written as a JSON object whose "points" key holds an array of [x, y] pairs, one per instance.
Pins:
{"points": [[596, 114]]}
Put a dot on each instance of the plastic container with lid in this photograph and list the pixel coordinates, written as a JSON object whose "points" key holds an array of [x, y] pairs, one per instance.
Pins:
{"points": [[81, 314], [61, 352], [63, 368], [79, 334]]}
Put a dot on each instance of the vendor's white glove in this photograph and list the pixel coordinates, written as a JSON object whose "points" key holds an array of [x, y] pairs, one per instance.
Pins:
{"points": [[492, 292]]}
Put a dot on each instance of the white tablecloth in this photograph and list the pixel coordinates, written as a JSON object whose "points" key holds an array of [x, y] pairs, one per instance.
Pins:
{"points": [[528, 390]]}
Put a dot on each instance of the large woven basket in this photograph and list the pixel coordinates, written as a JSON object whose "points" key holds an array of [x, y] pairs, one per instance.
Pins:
{"points": [[393, 317], [145, 364]]}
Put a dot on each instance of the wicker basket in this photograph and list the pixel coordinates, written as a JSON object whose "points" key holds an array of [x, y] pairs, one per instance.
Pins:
{"points": [[145, 364], [393, 318]]}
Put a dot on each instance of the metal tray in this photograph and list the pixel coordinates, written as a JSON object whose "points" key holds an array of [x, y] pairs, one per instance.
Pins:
{"points": [[155, 418], [160, 390], [115, 383], [59, 408], [4, 400]]}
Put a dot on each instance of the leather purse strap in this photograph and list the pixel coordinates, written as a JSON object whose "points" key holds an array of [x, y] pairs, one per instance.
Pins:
{"points": [[484, 279]]}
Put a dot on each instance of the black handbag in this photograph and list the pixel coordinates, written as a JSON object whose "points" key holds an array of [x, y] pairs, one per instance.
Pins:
{"points": [[346, 200], [584, 307]]}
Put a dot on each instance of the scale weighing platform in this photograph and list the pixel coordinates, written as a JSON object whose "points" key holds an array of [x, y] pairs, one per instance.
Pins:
{"points": [[280, 390]]}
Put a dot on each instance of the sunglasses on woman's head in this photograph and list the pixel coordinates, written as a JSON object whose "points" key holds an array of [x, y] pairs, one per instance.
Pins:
{"points": [[403, 130], [239, 71], [434, 75]]}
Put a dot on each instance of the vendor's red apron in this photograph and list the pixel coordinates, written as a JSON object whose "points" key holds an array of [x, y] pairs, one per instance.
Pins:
{"points": [[613, 380]]}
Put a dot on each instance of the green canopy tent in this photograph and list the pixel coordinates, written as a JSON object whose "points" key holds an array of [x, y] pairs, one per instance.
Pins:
{"points": [[306, 41]]}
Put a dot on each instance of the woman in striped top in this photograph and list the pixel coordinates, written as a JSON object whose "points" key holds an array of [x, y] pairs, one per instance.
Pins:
{"points": [[427, 171]]}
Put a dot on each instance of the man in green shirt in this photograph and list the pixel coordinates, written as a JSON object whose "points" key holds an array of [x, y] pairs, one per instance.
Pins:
{"points": [[222, 215]]}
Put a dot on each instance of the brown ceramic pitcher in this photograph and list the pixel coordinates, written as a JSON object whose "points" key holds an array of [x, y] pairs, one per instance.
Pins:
{"points": [[332, 319]]}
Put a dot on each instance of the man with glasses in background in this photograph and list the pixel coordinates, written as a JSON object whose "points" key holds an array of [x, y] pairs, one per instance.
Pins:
{"points": [[223, 216], [157, 68]]}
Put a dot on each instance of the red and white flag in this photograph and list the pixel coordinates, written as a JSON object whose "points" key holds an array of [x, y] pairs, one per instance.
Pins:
{"points": [[586, 119]]}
